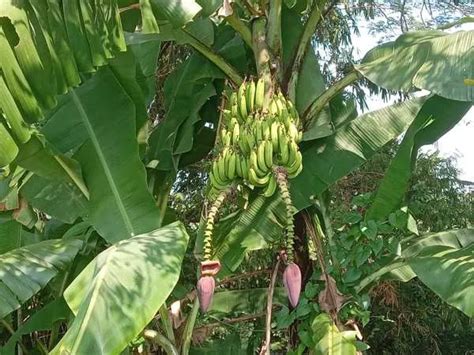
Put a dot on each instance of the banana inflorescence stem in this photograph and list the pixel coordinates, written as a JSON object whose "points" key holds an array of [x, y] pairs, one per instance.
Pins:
{"points": [[282, 181], [211, 219]]}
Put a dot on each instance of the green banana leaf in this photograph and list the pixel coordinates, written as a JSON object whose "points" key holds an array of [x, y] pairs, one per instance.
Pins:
{"points": [[25, 271], [432, 60], [327, 160], [121, 290], [437, 116], [177, 12], [120, 204], [329, 339], [13, 236], [43, 319]]}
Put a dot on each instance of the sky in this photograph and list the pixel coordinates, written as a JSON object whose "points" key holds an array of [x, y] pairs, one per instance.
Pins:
{"points": [[459, 141]]}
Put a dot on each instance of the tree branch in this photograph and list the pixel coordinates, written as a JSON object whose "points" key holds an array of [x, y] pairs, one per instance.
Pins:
{"points": [[215, 58], [317, 106], [310, 27]]}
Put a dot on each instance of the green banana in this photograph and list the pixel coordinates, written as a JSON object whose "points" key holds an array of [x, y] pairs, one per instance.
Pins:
{"points": [[260, 94], [216, 183], [296, 164], [254, 163], [236, 134], [257, 127], [293, 150], [216, 174], [265, 130], [258, 181], [296, 173], [230, 165], [274, 135], [241, 102], [251, 96], [221, 165], [274, 108], [293, 132], [238, 166], [245, 168], [271, 187], [222, 134], [268, 154], [261, 157]]}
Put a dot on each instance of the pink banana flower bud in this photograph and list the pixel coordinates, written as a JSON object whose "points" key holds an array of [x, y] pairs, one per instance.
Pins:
{"points": [[292, 282], [205, 291]]}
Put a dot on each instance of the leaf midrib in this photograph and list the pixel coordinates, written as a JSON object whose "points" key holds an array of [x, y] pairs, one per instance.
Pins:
{"points": [[103, 162]]}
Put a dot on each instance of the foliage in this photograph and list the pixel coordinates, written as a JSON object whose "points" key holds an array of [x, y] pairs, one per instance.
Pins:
{"points": [[92, 147]]}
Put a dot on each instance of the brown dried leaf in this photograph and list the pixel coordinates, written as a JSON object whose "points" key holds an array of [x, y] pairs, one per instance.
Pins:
{"points": [[330, 299]]}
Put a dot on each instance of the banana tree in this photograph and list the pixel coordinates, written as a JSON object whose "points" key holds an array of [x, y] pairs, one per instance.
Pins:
{"points": [[87, 172]]}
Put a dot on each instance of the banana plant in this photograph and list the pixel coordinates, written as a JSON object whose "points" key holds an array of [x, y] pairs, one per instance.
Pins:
{"points": [[87, 166]]}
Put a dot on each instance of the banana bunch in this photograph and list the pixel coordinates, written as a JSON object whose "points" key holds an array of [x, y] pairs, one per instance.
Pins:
{"points": [[254, 140]]}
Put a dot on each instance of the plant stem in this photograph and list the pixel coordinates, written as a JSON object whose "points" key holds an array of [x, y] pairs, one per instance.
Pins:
{"points": [[262, 56], [268, 322], [162, 185], [305, 39], [317, 106], [160, 340], [165, 320], [188, 329], [215, 58], [211, 219], [274, 34], [240, 27], [282, 181]]}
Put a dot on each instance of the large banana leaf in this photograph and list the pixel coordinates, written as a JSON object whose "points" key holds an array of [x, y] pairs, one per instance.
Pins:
{"points": [[430, 60], [178, 12], [445, 263], [13, 236], [100, 116], [326, 161], [120, 291], [42, 320], [329, 340], [25, 271], [437, 116]]}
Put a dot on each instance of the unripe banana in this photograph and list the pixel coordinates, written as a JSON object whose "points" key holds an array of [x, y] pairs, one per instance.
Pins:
{"points": [[293, 132], [296, 173], [274, 135], [243, 145], [236, 134], [245, 168], [230, 165], [258, 130], [265, 130], [300, 136], [260, 94], [268, 154], [262, 165], [238, 166], [251, 96], [216, 174], [227, 139], [216, 183], [250, 139], [242, 102], [293, 150], [221, 168], [222, 134], [271, 187], [258, 181], [254, 163], [274, 108], [293, 168]]}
